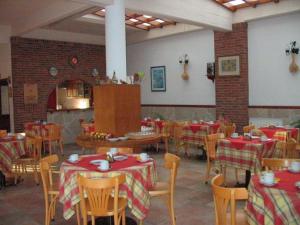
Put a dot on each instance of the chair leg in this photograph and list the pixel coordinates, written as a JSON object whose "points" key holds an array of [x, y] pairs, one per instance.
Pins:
{"points": [[123, 218], [93, 220], [35, 173], [171, 210], [78, 214], [50, 148], [61, 147], [208, 168], [157, 147], [224, 174], [237, 175]]}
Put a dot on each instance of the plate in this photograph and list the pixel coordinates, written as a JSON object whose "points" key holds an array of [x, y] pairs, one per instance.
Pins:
{"points": [[120, 157], [142, 161], [293, 171], [96, 161], [102, 169], [73, 161], [113, 139], [276, 180], [297, 184], [123, 138]]}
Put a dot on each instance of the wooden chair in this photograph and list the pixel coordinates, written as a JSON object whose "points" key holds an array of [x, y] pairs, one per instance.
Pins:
{"points": [[33, 146], [290, 150], [224, 199], [54, 136], [50, 189], [210, 143], [102, 198], [277, 164], [227, 129], [248, 128], [167, 188], [122, 150], [281, 135], [178, 132], [280, 149]]}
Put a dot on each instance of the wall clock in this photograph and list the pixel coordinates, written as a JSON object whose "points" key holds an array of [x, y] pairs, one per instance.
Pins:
{"points": [[53, 71]]}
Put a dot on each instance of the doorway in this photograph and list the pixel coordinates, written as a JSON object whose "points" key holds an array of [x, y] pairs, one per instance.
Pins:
{"points": [[4, 105]]}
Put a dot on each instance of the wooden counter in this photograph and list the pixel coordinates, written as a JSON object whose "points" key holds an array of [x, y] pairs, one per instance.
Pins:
{"points": [[91, 143]]}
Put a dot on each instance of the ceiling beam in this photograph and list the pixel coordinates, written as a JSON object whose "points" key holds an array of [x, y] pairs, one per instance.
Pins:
{"points": [[200, 13]]}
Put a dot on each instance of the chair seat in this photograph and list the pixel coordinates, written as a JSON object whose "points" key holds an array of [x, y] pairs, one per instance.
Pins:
{"points": [[241, 217], [160, 188], [122, 203]]}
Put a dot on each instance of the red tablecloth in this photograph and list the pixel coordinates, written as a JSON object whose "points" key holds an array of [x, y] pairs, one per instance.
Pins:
{"points": [[270, 132], [278, 205], [139, 178], [241, 142]]}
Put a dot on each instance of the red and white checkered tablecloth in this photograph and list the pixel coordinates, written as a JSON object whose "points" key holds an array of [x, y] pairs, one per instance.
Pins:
{"points": [[195, 133], [278, 205], [140, 177], [9, 151], [244, 154]]}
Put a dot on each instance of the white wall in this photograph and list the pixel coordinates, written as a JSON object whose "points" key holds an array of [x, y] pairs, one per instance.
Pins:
{"points": [[270, 82], [199, 45]]}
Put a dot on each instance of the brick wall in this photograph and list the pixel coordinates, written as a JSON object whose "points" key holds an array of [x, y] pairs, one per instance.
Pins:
{"points": [[232, 91], [31, 60]]}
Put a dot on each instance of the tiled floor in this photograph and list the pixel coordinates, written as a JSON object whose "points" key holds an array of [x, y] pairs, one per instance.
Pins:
{"points": [[24, 204]]}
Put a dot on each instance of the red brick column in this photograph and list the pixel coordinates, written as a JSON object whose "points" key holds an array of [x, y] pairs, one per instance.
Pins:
{"points": [[31, 60], [232, 94]]}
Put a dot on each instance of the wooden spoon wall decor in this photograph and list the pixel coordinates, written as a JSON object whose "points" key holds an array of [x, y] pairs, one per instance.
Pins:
{"points": [[185, 75], [294, 68]]}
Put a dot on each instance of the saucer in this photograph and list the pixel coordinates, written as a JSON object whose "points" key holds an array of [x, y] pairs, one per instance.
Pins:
{"points": [[120, 157], [113, 139], [276, 180], [142, 161], [297, 184], [73, 161], [97, 161], [293, 171], [103, 170]]}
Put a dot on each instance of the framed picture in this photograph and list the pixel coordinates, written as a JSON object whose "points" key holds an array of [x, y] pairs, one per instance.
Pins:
{"points": [[158, 78], [30, 94], [229, 66]]}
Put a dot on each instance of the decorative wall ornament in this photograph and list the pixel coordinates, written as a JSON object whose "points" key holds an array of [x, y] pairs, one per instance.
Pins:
{"points": [[53, 71], [293, 50], [95, 72], [73, 60], [229, 66], [30, 94], [158, 78], [210, 71], [184, 60]]}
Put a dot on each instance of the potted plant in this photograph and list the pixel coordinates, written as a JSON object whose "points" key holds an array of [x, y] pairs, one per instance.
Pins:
{"points": [[296, 123]]}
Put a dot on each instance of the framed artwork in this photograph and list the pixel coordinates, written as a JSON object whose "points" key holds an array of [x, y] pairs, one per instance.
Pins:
{"points": [[30, 94], [229, 66], [158, 78]]}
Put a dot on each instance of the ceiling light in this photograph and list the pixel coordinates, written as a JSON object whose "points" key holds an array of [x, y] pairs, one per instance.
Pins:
{"points": [[147, 16], [147, 24], [236, 2], [103, 10], [159, 20], [133, 20]]}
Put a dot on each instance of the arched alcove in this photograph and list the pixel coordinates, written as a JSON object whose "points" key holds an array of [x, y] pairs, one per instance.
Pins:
{"points": [[70, 95]]}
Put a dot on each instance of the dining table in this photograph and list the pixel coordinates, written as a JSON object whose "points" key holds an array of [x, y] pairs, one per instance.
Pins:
{"points": [[11, 149], [274, 205], [244, 153], [280, 133], [140, 177], [196, 132]]}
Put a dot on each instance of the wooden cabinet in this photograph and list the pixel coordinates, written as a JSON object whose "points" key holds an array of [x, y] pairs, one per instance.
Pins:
{"points": [[117, 108]]}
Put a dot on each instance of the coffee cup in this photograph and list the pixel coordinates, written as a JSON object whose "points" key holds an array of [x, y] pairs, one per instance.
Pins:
{"points": [[113, 151], [73, 157], [268, 177], [235, 135], [144, 156], [104, 165], [295, 166], [263, 138]]}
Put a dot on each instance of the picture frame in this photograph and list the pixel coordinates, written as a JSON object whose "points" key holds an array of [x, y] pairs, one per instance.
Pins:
{"points": [[158, 78], [229, 66]]}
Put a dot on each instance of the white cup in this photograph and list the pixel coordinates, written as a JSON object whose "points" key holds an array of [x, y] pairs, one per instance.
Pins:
{"points": [[113, 151], [263, 138], [144, 156], [295, 166], [268, 177], [104, 165], [73, 157], [235, 135]]}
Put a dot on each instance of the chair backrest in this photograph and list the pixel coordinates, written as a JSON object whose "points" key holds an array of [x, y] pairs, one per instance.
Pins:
{"points": [[229, 130], [257, 132], [33, 146], [248, 128], [224, 198], [46, 173], [167, 128], [172, 163], [178, 130], [54, 131], [99, 192], [280, 147], [281, 135], [277, 164], [122, 150], [290, 151], [210, 142]]}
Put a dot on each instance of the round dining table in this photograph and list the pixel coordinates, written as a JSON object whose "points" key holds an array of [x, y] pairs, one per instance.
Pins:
{"points": [[278, 204], [140, 177]]}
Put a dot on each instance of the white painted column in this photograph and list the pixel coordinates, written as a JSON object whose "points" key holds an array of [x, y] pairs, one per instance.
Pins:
{"points": [[115, 40]]}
